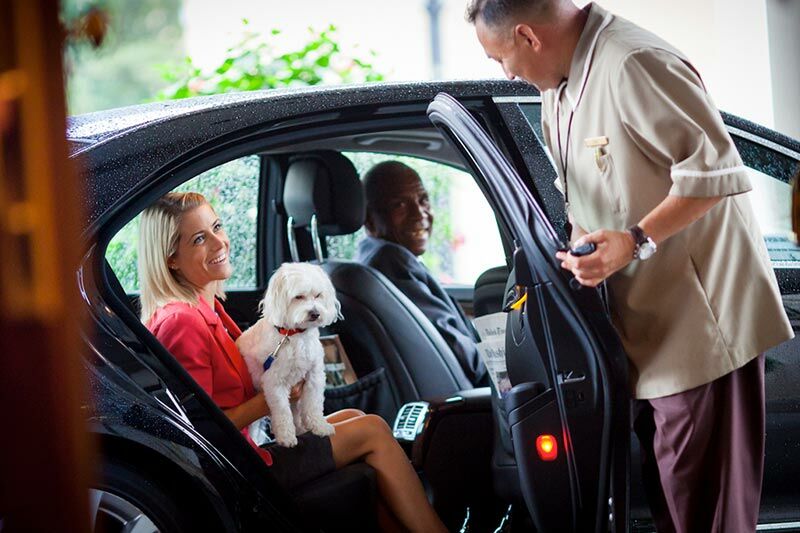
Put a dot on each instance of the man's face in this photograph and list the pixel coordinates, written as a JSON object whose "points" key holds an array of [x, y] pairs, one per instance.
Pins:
{"points": [[520, 53], [403, 214]]}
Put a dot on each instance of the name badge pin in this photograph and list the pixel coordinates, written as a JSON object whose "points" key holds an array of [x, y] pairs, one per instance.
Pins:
{"points": [[597, 143]]}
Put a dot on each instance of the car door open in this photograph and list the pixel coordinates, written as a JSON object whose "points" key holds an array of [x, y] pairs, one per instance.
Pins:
{"points": [[567, 413]]}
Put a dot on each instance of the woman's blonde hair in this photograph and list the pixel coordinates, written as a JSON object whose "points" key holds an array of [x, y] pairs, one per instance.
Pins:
{"points": [[158, 241]]}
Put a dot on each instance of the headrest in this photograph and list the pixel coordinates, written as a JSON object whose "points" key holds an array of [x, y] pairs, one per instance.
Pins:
{"points": [[325, 183]]}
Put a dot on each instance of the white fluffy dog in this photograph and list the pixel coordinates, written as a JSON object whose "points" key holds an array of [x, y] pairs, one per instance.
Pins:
{"points": [[283, 348]]}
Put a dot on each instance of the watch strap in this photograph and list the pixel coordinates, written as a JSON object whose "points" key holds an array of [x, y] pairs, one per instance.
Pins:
{"points": [[638, 234]]}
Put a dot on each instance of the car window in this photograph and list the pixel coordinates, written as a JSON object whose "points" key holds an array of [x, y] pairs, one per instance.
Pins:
{"points": [[533, 112], [232, 190], [771, 201], [770, 171], [465, 241]]}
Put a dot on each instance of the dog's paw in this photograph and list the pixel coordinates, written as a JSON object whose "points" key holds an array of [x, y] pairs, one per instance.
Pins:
{"points": [[299, 426], [322, 429], [287, 440]]}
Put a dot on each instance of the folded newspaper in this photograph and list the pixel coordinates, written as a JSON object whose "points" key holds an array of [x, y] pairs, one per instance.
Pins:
{"points": [[492, 348]]}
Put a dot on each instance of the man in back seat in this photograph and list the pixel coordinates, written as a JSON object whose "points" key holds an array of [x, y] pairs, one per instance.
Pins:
{"points": [[398, 224]]}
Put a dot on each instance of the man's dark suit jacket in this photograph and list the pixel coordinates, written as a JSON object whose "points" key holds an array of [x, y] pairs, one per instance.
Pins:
{"points": [[412, 278]]}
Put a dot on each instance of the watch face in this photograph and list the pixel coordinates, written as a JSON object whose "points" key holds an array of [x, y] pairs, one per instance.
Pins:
{"points": [[647, 250]]}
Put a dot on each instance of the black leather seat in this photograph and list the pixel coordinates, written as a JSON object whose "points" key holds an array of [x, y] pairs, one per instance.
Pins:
{"points": [[490, 289], [381, 327]]}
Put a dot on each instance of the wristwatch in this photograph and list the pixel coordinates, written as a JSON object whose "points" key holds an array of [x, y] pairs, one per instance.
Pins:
{"points": [[645, 246]]}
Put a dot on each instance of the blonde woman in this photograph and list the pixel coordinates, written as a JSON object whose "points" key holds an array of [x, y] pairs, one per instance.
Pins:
{"points": [[183, 262]]}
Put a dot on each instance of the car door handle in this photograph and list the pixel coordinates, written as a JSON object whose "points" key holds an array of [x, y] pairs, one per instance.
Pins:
{"points": [[567, 378]]}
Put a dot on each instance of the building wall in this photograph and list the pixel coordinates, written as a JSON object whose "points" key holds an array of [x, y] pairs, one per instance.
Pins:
{"points": [[734, 63], [783, 17]]}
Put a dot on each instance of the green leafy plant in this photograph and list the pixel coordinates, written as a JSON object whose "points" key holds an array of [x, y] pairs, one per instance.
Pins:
{"points": [[120, 71], [254, 63]]}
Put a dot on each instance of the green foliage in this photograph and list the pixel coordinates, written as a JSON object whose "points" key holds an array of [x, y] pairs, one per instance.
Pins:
{"points": [[122, 253], [232, 190], [254, 64], [147, 33], [121, 72]]}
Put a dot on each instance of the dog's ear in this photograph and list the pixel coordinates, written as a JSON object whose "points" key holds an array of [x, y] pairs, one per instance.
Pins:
{"points": [[338, 307], [275, 302], [333, 308], [261, 304]]}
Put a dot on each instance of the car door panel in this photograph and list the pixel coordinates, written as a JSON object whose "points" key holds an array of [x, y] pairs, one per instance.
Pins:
{"points": [[576, 355]]}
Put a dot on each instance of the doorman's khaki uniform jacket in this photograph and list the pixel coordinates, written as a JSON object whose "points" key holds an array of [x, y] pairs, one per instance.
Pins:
{"points": [[707, 302]]}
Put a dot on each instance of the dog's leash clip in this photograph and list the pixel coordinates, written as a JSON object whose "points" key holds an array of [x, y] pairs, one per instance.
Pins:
{"points": [[271, 357]]}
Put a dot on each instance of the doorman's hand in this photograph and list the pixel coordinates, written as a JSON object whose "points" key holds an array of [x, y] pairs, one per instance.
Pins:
{"points": [[614, 252]]}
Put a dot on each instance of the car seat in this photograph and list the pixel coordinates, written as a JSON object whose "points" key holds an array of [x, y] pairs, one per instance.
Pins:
{"points": [[490, 289], [382, 328]]}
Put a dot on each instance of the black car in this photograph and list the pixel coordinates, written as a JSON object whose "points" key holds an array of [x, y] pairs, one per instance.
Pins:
{"points": [[283, 167]]}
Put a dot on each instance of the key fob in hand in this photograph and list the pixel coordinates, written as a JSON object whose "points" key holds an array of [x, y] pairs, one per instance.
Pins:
{"points": [[583, 249]]}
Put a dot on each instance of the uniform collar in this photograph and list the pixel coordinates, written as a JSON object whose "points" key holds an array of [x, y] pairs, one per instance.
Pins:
{"points": [[597, 20]]}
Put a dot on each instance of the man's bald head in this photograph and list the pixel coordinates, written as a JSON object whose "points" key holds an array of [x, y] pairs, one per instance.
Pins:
{"points": [[380, 180], [398, 208]]}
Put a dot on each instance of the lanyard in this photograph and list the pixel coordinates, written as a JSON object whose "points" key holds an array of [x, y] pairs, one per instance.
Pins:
{"points": [[564, 158], [562, 154]]}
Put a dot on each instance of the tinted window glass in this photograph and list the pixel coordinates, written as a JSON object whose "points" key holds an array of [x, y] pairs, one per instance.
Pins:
{"points": [[771, 201], [770, 173], [533, 112]]}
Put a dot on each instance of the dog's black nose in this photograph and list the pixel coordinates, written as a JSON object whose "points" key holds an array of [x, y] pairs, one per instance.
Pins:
{"points": [[313, 315]]}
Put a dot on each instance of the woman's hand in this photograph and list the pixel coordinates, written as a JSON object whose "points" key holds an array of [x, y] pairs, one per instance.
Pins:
{"points": [[251, 410], [614, 252], [256, 407], [297, 391]]}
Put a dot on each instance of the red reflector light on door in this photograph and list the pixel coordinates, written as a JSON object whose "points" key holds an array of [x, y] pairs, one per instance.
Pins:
{"points": [[547, 447]]}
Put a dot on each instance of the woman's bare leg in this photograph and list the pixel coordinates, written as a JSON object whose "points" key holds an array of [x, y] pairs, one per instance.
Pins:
{"points": [[370, 439], [344, 414], [387, 521]]}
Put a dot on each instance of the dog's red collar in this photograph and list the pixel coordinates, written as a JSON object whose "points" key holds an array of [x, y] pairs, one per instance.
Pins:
{"points": [[288, 332]]}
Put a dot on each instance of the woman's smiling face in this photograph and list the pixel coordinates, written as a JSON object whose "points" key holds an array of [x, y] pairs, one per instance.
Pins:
{"points": [[201, 257]]}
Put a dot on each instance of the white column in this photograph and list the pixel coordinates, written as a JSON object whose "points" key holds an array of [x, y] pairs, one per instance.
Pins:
{"points": [[783, 22]]}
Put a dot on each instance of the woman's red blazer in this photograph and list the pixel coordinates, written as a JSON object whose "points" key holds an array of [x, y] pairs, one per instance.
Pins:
{"points": [[202, 340]]}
